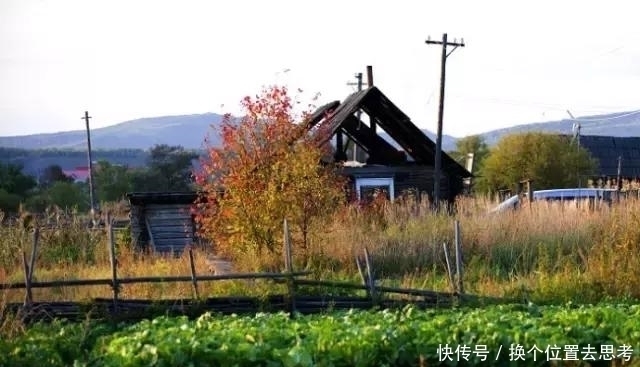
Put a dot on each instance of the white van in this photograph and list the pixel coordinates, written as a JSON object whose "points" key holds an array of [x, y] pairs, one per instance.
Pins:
{"points": [[592, 195]]}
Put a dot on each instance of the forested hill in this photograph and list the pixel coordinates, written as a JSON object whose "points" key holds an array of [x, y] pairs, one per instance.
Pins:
{"points": [[34, 161]]}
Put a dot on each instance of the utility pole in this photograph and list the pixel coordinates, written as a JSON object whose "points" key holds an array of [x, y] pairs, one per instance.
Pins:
{"points": [[576, 136], [90, 159], [438, 159], [619, 178], [358, 84], [576, 127]]}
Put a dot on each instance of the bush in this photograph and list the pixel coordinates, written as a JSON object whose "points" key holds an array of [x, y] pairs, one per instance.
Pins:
{"points": [[268, 167], [9, 203]]}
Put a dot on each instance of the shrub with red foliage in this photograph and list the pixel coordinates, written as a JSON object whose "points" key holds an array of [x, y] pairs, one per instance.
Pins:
{"points": [[267, 169]]}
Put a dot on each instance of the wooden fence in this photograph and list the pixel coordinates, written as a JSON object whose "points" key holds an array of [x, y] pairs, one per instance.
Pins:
{"points": [[292, 301]]}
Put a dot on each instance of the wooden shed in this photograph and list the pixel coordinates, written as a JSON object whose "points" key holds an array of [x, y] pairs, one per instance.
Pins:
{"points": [[162, 221]]}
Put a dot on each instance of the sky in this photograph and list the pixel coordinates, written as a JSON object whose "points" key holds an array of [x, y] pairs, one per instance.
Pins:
{"points": [[522, 62]]}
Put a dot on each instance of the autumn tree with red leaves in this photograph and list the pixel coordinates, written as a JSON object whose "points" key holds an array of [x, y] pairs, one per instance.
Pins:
{"points": [[267, 168]]}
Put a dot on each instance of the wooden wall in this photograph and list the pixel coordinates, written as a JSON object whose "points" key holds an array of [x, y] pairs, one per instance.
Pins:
{"points": [[163, 228], [410, 177]]}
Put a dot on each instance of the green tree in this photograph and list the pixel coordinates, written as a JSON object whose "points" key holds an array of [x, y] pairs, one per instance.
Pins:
{"points": [[9, 203], [13, 181], [169, 168], [68, 195], [112, 182], [53, 174], [471, 144], [37, 203], [142, 180], [550, 160]]}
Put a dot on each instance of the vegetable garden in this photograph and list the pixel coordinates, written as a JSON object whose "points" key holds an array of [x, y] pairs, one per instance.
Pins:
{"points": [[523, 335]]}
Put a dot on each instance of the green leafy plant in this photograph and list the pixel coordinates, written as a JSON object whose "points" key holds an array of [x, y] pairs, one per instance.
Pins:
{"points": [[510, 334]]}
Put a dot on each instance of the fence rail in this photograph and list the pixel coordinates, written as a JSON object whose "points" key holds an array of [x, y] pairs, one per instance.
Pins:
{"points": [[292, 301], [148, 279]]}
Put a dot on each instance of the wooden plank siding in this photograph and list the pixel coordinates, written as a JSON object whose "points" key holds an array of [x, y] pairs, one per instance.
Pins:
{"points": [[169, 219], [417, 178]]}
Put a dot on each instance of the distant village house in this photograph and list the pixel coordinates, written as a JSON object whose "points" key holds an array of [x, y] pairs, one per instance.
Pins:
{"points": [[78, 174]]}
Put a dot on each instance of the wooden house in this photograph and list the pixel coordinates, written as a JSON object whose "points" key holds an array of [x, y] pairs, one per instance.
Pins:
{"points": [[163, 222], [386, 169]]}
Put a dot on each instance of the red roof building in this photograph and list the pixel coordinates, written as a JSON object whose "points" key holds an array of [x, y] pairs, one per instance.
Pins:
{"points": [[79, 174]]}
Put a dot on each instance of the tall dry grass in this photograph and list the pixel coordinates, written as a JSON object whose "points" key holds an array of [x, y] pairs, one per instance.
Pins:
{"points": [[68, 249], [546, 253], [408, 236]]}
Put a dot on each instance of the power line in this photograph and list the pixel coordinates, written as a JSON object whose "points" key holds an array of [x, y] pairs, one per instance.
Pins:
{"points": [[551, 106], [607, 118]]}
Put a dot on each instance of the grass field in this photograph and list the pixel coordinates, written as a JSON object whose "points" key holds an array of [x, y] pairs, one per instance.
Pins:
{"points": [[548, 253]]}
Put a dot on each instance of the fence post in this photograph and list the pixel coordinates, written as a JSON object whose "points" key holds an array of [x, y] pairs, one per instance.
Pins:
{"points": [[194, 279], [371, 281], [28, 268], [449, 272], [27, 282], [114, 264], [458, 257], [32, 263], [362, 275], [288, 264]]}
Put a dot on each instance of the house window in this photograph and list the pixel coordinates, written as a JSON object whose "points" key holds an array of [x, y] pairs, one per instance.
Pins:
{"points": [[368, 188]]}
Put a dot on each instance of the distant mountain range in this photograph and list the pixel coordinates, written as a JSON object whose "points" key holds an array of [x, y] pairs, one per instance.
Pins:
{"points": [[186, 130], [190, 130], [619, 124]]}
